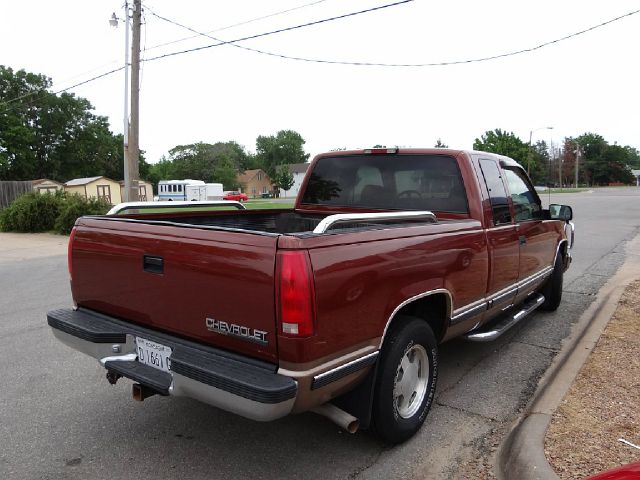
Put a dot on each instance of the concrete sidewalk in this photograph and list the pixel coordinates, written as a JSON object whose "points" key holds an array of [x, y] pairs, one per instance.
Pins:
{"points": [[521, 454]]}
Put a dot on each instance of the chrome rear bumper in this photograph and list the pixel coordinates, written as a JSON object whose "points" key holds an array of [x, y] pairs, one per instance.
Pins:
{"points": [[247, 387]]}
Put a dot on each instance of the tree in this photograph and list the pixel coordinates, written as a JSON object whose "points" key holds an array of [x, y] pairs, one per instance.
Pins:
{"points": [[534, 158], [503, 143], [602, 163], [283, 179], [219, 162], [284, 148], [440, 144], [54, 136]]}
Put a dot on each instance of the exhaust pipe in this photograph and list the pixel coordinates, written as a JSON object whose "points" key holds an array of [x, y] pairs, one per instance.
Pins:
{"points": [[140, 392], [338, 416]]}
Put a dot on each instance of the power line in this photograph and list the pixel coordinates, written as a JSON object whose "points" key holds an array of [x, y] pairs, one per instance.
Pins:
{"points": [[434, 64], [379, 64], [220, 43], [235, 24], [281, 30]]}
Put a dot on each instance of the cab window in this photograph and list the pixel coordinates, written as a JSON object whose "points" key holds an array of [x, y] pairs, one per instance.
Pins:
{"points": [[497, 192]]}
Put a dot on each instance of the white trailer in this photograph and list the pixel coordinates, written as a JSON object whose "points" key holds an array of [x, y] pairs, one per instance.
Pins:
{"points": [[208, 191]]}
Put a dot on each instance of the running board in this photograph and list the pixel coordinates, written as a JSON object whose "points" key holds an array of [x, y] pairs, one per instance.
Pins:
{"points": [[504, 322]]}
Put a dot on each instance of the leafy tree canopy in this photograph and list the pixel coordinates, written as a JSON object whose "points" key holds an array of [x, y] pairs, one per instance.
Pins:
{"points": [[286, 147], [219, 162], [533, 158], [503, 143], [283, 179], [44, 135]]}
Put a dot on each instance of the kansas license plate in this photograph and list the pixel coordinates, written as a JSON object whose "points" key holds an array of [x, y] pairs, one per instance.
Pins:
{"points": [[154, 354]]}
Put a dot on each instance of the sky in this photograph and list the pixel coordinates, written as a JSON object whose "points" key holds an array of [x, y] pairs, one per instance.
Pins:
{"points": [[587, 83]]}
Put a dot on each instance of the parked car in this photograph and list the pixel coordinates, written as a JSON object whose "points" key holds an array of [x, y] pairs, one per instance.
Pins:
{"points": [[237, 196], [625, 472], [335, 306]]}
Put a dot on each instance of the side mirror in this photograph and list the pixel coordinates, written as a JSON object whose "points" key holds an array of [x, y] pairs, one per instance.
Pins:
{"points": [[560, 212]]}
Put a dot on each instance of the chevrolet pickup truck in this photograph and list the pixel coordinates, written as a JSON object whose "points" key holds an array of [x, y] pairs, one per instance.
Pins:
{"points": [[335, 306]]}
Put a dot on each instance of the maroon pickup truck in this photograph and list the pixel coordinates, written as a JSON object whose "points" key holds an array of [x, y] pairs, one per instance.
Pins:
{"points": [[337, 305]]}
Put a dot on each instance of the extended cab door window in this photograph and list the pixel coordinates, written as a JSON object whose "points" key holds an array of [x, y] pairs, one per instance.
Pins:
{"points": [[526, 202], [497, 192]]}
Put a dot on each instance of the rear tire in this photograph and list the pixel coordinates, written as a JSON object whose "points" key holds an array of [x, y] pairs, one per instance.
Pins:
{"points": [[552, 290], [406, 379]]}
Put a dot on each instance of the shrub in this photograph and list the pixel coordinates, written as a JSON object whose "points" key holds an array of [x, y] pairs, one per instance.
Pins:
{"points": [[32, 212], [37, 212], [76, 206]]}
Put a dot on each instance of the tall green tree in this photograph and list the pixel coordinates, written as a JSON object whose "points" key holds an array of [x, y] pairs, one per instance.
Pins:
{"points": [[534, 158], [218, 162], [54, 136], [283, 179], [503, 143], [284, 148]]}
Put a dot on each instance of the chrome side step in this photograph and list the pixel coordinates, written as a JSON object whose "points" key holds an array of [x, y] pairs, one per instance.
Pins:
{"points": [[504, 322]]}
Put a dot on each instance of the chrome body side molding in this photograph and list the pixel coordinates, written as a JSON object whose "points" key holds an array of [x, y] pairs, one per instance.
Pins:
{"points": [[475, 308], [342, 371]]}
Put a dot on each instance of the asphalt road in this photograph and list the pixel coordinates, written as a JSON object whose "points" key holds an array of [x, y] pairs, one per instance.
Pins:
{"points": [[60, 419]]}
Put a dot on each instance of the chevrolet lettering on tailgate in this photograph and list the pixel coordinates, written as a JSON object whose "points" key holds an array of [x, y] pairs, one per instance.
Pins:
{"points": [[234, 330]]}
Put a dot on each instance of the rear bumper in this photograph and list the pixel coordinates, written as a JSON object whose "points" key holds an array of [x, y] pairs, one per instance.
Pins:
{"points": [[241, 385]]}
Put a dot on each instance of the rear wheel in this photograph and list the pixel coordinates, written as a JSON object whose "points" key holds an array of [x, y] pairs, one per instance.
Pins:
{"points": [[406, 379], [552, 290]]}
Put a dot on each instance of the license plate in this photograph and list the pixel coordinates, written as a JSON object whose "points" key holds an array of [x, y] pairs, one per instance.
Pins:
{"points": [[153, 354]]}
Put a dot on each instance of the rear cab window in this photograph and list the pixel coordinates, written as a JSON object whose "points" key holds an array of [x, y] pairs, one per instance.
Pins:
{"points": [[390, 182]]}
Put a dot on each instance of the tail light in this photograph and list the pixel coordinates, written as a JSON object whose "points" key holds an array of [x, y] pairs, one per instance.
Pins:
{"points": [[295, 294], [69, 250]]}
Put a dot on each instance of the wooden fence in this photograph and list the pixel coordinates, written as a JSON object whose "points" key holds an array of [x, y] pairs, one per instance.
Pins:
{"points": [[9, 191]]}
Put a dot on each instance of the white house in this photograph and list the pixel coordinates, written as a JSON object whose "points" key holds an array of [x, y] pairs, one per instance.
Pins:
{"points": [[298, 170], [636, 173]]}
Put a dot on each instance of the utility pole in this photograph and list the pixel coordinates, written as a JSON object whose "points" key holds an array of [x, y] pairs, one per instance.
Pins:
{"points": [[127, 180], [134, 147], [559, 168], [577, 162]]}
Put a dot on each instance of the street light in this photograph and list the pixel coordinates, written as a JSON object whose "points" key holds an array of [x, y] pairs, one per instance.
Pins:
{"points": [[530, 136]]}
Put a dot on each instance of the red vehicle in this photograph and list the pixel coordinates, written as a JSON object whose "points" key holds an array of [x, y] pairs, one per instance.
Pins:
{"points": [[237, 196], [337, 305]]}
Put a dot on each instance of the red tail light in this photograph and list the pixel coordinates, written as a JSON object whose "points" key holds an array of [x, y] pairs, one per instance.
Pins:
{"points": [[295, 294], [69, 250]]}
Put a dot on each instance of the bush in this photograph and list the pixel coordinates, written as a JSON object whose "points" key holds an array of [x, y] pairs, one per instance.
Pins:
{"points": [[37, 212], [32, 212], [76, 206]]}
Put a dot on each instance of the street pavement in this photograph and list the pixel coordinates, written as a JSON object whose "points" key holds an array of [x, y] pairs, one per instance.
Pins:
{"points": [[59, 418]]}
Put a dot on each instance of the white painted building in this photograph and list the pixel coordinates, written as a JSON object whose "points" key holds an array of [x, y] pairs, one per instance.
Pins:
{"points": [[636, 173]]}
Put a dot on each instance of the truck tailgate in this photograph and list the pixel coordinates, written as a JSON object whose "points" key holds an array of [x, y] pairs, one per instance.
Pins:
{"points": [[211, 286]]}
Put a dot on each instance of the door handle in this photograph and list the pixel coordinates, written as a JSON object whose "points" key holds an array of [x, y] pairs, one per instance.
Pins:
{"points": [[523, 240], [153, 264]]}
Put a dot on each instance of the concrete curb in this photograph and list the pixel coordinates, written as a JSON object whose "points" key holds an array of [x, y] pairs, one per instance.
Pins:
{"points": [[521, 455]]}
